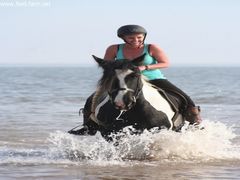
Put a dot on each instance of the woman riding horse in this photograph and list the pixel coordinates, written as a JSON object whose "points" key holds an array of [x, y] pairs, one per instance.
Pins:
{"points": [[134, 46], [155, 59]]}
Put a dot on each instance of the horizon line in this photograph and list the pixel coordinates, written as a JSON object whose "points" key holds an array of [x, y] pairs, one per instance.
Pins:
{"points": [[95, 64], [91, 65]]}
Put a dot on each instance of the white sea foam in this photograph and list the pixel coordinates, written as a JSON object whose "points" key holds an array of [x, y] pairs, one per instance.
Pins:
{"points": [[212, 144]]}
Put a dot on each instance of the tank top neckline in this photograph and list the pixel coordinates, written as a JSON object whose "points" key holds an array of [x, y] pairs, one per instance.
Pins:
{"points": [[121, 46]]}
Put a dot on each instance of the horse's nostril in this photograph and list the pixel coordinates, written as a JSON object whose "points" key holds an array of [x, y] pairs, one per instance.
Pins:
{"points": [[119, 104]]}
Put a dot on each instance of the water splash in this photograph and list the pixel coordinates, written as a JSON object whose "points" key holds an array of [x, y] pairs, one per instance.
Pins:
{"points": [[215, 143]]}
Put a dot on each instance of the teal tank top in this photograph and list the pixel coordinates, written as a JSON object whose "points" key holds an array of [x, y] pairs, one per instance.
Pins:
{"points": [[150, 74]]}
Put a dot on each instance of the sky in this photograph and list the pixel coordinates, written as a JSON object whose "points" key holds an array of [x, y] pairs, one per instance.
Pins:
{"points": [[191, 32]]}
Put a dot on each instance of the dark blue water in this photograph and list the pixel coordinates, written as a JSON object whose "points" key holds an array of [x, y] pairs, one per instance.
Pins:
{"points": [[39, 104]]}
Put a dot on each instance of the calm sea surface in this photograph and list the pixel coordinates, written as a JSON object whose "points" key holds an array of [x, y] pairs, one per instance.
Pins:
{"points": [[38, 105]]}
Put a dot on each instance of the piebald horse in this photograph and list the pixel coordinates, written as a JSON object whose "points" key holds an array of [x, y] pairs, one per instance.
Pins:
{"points": [[125, 98]]}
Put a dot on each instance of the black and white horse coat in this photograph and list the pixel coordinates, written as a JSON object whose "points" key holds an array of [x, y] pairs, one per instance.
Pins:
{"points": [[124, 98]]}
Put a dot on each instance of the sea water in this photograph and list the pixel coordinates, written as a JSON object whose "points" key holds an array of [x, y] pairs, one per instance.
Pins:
{"points": [[38, 105]]}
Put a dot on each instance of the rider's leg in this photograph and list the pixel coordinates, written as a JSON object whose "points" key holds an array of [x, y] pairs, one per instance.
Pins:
{"points": [[192, 113]]}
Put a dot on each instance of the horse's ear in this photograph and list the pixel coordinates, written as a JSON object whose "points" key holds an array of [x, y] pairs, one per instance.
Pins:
{"points": [[139, 60], [100, 61]]}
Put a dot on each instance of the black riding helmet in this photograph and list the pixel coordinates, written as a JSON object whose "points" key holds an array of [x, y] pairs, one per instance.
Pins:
{"points": [[131, 29]]}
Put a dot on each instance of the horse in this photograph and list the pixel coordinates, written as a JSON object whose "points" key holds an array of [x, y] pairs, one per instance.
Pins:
{"points": [[125, 98]]}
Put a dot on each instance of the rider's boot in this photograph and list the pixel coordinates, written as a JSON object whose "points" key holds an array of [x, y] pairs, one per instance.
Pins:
{"points": [[81, 131], [193, 115]]}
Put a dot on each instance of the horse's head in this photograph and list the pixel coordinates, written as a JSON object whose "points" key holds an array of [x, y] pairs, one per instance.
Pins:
{"points": [[122, 80]]}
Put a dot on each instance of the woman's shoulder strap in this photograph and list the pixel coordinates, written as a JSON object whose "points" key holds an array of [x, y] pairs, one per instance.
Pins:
{"points": [[147, 48], [119, 54]]}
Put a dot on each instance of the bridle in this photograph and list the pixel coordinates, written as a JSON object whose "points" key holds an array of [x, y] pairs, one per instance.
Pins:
{"points": [[136, 92]]}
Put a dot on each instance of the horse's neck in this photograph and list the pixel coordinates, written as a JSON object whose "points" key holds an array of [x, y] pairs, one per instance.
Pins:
{"points": [[149, 89], [149, 92], [155, 99]]}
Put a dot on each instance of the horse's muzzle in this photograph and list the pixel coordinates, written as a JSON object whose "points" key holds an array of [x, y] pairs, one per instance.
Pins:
{"points": [[123, 106], [119, 105]]}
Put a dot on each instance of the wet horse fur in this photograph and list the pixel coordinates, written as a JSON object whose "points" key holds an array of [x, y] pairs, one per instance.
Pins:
{"points": [[124, 98]]}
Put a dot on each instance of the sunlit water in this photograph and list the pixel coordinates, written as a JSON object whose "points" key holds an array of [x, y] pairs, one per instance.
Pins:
{"points": [[39, 105]]}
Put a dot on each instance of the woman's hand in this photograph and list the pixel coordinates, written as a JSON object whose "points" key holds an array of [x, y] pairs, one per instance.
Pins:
{"points": [[142, 68]]}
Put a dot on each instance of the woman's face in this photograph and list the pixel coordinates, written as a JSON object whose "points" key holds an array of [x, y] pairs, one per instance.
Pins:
{"points": [[135, 40]]}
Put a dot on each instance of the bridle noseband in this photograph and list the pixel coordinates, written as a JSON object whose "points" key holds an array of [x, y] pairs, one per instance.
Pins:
{"points": [[137, 91]]}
